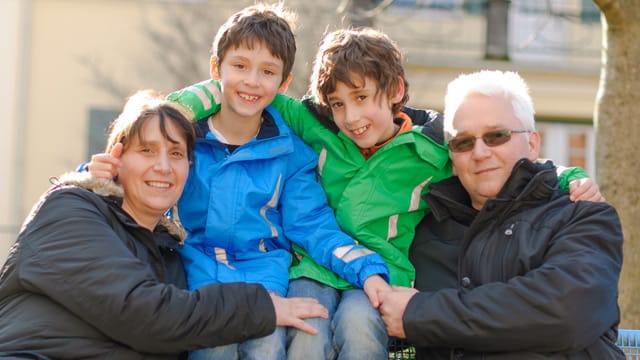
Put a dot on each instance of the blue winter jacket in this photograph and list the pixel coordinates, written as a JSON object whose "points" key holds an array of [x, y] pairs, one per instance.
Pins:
{"points": [[244, 209]]}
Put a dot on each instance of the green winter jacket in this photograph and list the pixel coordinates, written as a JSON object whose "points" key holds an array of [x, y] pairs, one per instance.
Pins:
{"points": [[377, 201]]}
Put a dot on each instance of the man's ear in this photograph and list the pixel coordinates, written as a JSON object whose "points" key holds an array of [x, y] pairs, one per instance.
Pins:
{"points": [[285, 84], [214, 70], [534, 145]]}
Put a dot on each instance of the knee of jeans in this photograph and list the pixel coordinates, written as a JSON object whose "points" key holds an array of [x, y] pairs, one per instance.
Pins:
{"points": [[268, 347], [301, 345]]}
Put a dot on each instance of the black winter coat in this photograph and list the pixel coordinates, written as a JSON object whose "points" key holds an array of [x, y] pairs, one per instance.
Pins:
{"points": [[84, 280], [530, 276]]}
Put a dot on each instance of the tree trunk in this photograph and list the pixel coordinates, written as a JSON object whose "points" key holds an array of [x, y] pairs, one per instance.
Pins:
{"points": [[617, 124], [497, 36]]}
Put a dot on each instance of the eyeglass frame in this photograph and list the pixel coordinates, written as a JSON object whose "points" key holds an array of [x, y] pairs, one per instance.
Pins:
{"points": [[484, 140]]}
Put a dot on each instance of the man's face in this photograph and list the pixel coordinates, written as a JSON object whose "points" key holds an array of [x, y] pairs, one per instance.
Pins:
{"points": [[484, 169]]}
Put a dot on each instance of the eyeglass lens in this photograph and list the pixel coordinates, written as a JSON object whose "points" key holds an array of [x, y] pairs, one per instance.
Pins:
{"points": [[491, 138]]}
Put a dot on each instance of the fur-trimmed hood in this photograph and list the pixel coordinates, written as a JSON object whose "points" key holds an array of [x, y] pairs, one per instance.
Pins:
{"points": [[109, 188]]}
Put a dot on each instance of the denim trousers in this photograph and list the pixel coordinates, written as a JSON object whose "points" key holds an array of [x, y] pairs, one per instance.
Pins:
{"points": [[354, 330], [270, 347]]}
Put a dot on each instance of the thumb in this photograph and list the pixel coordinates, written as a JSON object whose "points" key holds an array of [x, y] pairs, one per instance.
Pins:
{"points": [[116, 151]]}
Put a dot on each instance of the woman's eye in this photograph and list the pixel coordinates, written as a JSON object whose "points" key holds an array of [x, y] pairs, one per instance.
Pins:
{"points": [[177, 154]]}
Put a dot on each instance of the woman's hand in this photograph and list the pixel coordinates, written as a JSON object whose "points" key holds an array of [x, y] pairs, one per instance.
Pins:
{"points": [[105, 166], [293, 311]]}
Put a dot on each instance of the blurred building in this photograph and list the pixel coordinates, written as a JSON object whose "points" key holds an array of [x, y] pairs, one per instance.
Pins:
{"points": [[67, 65]]}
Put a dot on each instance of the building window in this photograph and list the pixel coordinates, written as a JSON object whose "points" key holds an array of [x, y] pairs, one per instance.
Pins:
{"points": [[429, 4], [475, 6], [568, 144], [577, 150], [99, 121], [589, 12]]}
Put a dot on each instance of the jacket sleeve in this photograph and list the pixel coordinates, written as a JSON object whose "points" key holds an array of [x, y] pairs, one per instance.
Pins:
{"points": [[562, 305], [71, 254], [297, 115], [567, 174], [310, 223], [202, 99]]}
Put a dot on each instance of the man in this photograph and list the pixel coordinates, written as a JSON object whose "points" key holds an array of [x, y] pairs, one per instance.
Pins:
{"points": [[507, 266]]}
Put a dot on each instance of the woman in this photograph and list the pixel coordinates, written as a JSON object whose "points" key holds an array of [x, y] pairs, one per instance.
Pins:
{"points": [[94, 271]]}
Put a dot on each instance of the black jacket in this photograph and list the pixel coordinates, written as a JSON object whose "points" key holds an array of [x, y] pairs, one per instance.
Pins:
{"points": [[83, 280], [532, 275]]}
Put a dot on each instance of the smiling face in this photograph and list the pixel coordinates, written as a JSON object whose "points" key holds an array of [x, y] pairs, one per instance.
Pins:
{"points": [[363, 113], [250, 79], [153, 171], [484, 170]]}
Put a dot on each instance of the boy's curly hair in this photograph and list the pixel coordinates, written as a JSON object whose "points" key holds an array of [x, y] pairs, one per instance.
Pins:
{"points": [[351, 55], [271, 25]]}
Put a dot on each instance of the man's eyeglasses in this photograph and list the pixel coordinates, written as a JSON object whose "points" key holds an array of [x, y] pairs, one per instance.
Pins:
{"points": [[491, 138]]}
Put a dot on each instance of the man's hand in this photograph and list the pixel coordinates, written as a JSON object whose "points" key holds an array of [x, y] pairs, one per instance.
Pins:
{"points": [[392, 307], [585, 189], [373, 286], [105, 166], [293, 311]]}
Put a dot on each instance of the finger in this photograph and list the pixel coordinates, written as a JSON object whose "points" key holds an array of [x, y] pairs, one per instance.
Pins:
{"points": [[310, 310], [374, 299], [575, 190], [302, 325], [116, 151]]}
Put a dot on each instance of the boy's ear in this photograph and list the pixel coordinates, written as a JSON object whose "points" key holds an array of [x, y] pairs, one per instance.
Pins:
{"points": [[285, 84], [399, 94], [214, 70]]}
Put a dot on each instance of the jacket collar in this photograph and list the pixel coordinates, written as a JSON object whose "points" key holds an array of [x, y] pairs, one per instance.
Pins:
{"points": [[529, 183], [268, 128], [110, 189]]}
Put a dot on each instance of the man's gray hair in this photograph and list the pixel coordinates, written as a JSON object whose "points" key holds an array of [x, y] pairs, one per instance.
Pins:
{"points": [[489, 82]]}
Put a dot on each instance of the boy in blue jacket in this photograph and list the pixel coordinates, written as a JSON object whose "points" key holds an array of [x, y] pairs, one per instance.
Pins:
{"points": [[252, 189]]}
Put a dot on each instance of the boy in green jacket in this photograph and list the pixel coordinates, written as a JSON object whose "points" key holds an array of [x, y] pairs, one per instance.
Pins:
{"points": [[375, 168]]}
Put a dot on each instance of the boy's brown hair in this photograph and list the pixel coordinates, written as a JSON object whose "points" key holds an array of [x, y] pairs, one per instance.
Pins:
{"points": [[349, 56], [271, 25]]}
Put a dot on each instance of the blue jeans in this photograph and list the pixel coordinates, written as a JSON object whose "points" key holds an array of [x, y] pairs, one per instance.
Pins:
{"points": [[353, 331], [270, 347]]}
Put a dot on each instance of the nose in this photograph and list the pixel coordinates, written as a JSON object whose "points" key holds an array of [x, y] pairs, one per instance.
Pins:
{"points": [[162, 164], [251, 78], [352, 114], [480, 150]]}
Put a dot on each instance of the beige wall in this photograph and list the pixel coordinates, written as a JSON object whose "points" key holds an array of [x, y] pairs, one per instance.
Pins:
{"points": [[11, 39], [568, 95]]}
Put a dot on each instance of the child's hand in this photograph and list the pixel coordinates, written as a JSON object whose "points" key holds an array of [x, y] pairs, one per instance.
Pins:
{"points": [[293, 311], [106, 166], [373, 286], [585, 189]]}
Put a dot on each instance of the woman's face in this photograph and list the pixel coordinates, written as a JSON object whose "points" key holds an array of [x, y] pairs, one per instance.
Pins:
{"points": [[153, 171]]}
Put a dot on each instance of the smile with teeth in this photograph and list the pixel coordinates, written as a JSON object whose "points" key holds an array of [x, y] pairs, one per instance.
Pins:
{"points": [[249, 97], [158, 184], [360, 130]]}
